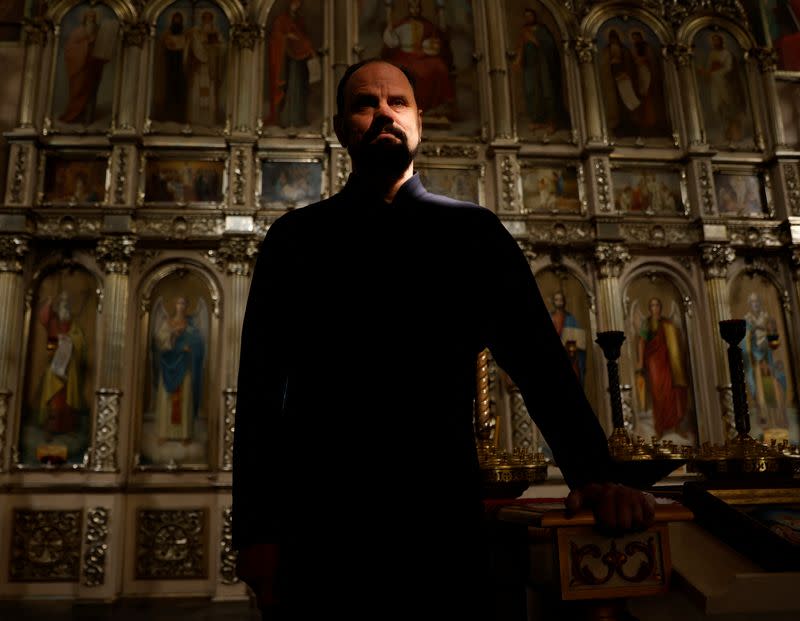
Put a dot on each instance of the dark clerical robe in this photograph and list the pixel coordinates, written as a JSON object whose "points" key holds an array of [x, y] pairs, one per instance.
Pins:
{"points": [[354, 444]]}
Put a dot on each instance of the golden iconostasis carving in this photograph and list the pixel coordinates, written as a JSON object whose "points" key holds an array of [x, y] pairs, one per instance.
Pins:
{"points": [[636, 129]]}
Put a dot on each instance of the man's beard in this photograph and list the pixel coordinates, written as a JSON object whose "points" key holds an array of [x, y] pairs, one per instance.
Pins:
{"points": [[383, 157]]}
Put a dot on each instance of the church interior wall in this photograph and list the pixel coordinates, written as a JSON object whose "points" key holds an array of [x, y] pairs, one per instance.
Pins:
{"points": [[635, 150]]}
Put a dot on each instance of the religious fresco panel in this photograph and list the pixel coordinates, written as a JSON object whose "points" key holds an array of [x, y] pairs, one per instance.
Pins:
{"points": [[460, 183], [657, 348], [722, 88], [190, 66], [551, 189], [649, 191], [632, 80], [740, 195], [176, 391], [74, 180], [538, 79], [290, 184], [292, 95], [435, 41], [768, 361], [61, 360], [789, 109], [86, 65], [184, 181]]}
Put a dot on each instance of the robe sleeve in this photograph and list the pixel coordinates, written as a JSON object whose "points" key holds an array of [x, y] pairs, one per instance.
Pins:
{"points": [[525, 344], [258, 464]]}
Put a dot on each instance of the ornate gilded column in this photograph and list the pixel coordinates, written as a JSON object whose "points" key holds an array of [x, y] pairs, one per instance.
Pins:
{"points": [[715, 259], [498, 72], [242, 179], [134, 35], [244, 38], [610, 259], [682, 56], [235, 257], [36, 36], [13, 249], [22, 165], [114, 255], [584, 51]]}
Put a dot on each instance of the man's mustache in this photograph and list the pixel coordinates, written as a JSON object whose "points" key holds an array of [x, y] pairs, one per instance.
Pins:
{"points": [[382, 128]]}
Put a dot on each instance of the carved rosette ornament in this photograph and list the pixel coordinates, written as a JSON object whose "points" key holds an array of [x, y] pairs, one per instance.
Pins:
{"points": [[449, 150], [18, 173], [766, 57], [227, 555], [235, 255], [36, 31], [601, 184], [228, 428], [244, 36], [134, 34], [239, 172], [611, 259], [792, 188], [342, 169], [94, 558], [171, 544], [584, 50], [114, 253], [680, 54], [13, 249], [104, 452], [509, 174], [715, 259], [121, 176], [45, 546], [705, 179]]}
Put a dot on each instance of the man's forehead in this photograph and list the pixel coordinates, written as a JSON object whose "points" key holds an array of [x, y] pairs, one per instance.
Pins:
{"points": [[377, 75]]}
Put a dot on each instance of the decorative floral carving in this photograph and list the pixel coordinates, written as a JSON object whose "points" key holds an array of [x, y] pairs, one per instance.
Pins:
{"points": [[236, 255], [170, 544], [94, 558], [122, 176], [601, 184], [706, 186], [715, 259], [36, 31], [615, 562], [449, 150], [104, 452], [678, 11], [134, 34], [114, 253], [754, 237], [228, 428], [559, 232], [610, 259], [227, 555], [762, 265], [239, 172], [660, 235], [509, 174], [245, 35], [792, 188], [342, 169], [45, 546], [584, 49], [68, 227], [766, 57], [18, 173], [681, 54], [13, 249]]}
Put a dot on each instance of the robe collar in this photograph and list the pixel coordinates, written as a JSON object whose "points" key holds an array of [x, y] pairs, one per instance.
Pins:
{"points": [[355, 192]]}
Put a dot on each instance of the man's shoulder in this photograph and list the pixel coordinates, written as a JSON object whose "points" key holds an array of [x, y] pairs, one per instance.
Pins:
{"points": [[305, 216]]}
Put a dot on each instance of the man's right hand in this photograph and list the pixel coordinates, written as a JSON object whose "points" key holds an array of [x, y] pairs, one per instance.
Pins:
{"points": [[257, 566]]}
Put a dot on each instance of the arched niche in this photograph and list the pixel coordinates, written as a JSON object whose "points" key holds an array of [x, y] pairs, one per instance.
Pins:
{"points": [[292, 75], [659, 358], [177, 388], [633, 79], [190, 86], [87, 57], [62, 356], [726, 97], [770, 363], [541, 91]]}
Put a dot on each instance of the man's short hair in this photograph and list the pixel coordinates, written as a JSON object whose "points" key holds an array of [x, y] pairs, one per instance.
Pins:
{"points": [[355, 67]]}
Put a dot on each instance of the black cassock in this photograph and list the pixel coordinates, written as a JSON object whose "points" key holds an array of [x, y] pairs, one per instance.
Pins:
{"points": [[354, 444]]}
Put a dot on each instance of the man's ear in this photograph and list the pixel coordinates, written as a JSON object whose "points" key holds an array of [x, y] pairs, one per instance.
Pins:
{"points": [[338, 128], [419, 123]]}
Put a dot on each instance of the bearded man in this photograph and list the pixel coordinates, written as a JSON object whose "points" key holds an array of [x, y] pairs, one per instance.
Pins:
{"points": [[356, 482]]}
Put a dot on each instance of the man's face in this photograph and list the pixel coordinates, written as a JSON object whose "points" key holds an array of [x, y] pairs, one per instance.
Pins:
{"points": [[716, 42], [558, 301], [530, 17], [655, 308], [414, 8], [380, 125]]}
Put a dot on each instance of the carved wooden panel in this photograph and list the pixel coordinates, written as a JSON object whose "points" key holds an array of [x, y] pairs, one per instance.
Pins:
{"points": [[171, 544], [45, 546]]}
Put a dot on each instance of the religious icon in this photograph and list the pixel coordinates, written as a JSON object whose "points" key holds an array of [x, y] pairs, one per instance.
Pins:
{"points": [[539, 89], [663, 398], [86, 67], [550, 189], [189, 64], [632, 79], [739, 195], [463, 184], [175, 422], [74, 181], [783, 25], [771, 399], [722, 88], [59, 379], [434, 40], [183, 181], [789, 109], [294, 74], [648, 191], [290, 184]]}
